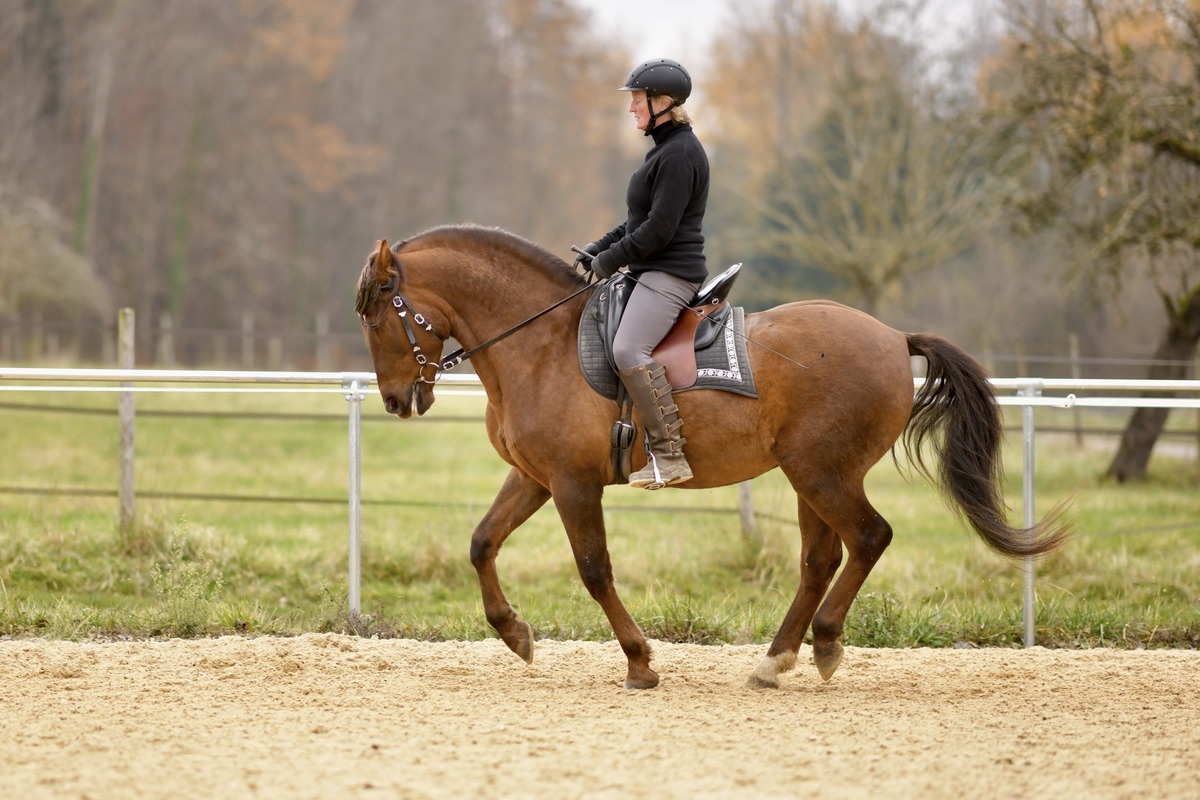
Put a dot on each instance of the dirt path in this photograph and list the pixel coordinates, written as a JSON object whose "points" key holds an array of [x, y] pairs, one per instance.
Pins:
{"points": [[327, 716]]}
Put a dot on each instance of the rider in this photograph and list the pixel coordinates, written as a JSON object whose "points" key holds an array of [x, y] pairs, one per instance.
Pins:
{"points": [[662, 245]]}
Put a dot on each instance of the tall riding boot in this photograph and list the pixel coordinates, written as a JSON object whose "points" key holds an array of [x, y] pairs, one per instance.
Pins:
{"points": [[651, 395]]}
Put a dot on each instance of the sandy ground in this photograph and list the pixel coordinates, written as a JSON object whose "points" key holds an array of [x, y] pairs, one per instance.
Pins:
{"points": [[327, 716]]}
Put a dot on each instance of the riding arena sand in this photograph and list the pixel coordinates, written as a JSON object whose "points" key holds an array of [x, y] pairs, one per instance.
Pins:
{"points": [[332, 716]]}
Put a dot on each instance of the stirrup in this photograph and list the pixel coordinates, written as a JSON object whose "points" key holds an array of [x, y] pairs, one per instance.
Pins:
{"points": [[659, 481]]}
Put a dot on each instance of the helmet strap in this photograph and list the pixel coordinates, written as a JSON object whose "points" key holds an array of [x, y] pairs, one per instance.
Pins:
{"points": [[654, 117]]}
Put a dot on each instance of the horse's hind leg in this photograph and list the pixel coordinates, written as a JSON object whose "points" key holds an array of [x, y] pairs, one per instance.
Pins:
{"points": [[579, 506], [518, 499], [866, 535], [820, 554]]}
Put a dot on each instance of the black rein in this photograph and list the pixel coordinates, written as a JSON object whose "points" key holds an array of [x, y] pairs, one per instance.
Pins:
{"points": [[458, 356]]}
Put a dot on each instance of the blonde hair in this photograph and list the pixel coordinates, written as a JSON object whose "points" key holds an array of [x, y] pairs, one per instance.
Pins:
{"points": [[679, 114]]}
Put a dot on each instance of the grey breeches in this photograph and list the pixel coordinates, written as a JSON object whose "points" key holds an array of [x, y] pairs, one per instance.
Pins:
{"points": [[653, 306]]}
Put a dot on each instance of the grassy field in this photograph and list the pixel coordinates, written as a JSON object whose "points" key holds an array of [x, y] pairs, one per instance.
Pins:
{"points": [[207, 564]]}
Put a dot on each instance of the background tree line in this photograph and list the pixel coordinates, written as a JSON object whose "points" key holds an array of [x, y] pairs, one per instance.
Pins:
{"points": [[205, 159]]}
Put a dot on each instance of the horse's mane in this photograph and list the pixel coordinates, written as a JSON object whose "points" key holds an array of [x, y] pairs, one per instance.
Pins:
{"points": [[478, 236], [472, 238]]}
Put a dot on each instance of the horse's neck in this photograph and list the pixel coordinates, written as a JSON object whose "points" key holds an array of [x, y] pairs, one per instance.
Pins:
{"points": [[482, 300]]}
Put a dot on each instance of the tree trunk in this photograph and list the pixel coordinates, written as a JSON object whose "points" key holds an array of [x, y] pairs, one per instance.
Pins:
{"points": [[1171, 359], [93, 160]]}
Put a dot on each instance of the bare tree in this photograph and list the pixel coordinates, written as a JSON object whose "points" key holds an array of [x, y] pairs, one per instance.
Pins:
{"points": [[857, 169], [1104, 96], [216, 158]]}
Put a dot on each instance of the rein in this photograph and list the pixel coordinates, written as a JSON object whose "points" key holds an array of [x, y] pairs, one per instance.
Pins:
{"points": [[403, 306]]}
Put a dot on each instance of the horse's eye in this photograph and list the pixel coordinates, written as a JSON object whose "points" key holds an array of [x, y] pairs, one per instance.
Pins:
{"points": [[372, 319], [390, 285]]}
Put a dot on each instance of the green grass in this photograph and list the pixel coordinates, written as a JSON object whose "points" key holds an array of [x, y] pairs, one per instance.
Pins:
{"points": [[192, 567]]}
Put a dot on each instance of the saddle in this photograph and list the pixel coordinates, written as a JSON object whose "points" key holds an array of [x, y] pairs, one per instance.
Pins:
{"points": [[705, 349], [697, 328]]}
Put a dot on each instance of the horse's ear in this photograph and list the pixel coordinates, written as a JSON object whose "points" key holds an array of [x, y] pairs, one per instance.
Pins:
{"points": [[384, 261]]}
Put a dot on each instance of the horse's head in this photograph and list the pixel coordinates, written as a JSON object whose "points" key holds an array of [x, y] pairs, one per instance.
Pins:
{"points": [[404, 346]]}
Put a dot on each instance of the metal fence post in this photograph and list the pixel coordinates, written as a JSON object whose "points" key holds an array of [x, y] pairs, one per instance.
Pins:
{"points": [[125, 422], [1031, 388], [354, 395]]}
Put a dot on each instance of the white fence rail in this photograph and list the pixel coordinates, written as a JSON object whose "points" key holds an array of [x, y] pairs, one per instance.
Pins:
{"points": [[1030, 393]]}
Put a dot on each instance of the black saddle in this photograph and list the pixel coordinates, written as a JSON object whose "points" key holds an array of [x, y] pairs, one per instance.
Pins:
{"points": [[697, 327], [705, 349]]}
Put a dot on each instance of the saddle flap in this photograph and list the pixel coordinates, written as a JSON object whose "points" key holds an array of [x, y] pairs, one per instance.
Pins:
{"points": [[677, 351], [711, 324]]}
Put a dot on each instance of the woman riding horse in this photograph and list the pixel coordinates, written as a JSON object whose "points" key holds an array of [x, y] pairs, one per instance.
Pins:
{"points": [[662, 244]]}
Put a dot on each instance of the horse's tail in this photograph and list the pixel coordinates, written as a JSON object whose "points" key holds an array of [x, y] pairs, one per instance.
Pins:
{"points": [[958, 401]]}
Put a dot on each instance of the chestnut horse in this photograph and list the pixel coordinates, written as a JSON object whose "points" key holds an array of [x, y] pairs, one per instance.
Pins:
{"points": [[835, 393]]}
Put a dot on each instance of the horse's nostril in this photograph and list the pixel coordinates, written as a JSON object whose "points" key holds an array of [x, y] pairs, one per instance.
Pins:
{"points": [[390, 404]]}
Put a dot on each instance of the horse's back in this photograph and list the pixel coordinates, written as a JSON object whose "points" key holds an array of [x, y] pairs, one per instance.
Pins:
{"points": [[817, 318], [823, 346]]}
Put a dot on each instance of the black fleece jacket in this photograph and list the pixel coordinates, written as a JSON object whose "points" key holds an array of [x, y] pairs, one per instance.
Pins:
{"points": [[666, 199]]}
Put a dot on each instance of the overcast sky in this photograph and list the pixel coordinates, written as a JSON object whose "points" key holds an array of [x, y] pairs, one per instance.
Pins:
{"points": [[659, 28], [682, 29]]}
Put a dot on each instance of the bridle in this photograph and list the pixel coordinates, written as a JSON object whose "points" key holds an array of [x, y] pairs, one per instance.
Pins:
{"points": [[403, 306]]}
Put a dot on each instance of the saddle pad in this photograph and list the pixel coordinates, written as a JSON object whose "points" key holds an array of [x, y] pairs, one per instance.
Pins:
{"points": [[724, 365]]}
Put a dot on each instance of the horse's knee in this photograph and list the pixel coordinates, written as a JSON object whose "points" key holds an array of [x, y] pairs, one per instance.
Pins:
{"points": [[483, 550], [596, 573]]}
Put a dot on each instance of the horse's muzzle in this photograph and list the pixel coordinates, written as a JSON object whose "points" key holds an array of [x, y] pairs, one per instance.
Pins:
{"points": [[414, 401]]}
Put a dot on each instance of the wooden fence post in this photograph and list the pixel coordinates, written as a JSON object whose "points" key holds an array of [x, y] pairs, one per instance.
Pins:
{"points": [[275, 353], [324, 353], [746, 509], [166, 342], [247, 340]]}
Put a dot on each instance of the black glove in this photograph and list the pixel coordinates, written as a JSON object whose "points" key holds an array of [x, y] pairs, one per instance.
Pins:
{"points": [[584, 260], [605, 265]]}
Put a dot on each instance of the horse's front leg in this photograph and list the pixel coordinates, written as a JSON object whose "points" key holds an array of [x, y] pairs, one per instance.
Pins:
{"points": [[518, 499], [579, 506]]}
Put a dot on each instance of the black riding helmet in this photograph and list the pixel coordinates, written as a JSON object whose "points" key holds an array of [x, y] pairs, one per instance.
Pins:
{"points": [[660, 76]]}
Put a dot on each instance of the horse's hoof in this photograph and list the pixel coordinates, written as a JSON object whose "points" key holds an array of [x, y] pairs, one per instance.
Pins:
{"points": [[766, 674], [521, 642], [757, 681], [827, 657], [644, 678]]}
